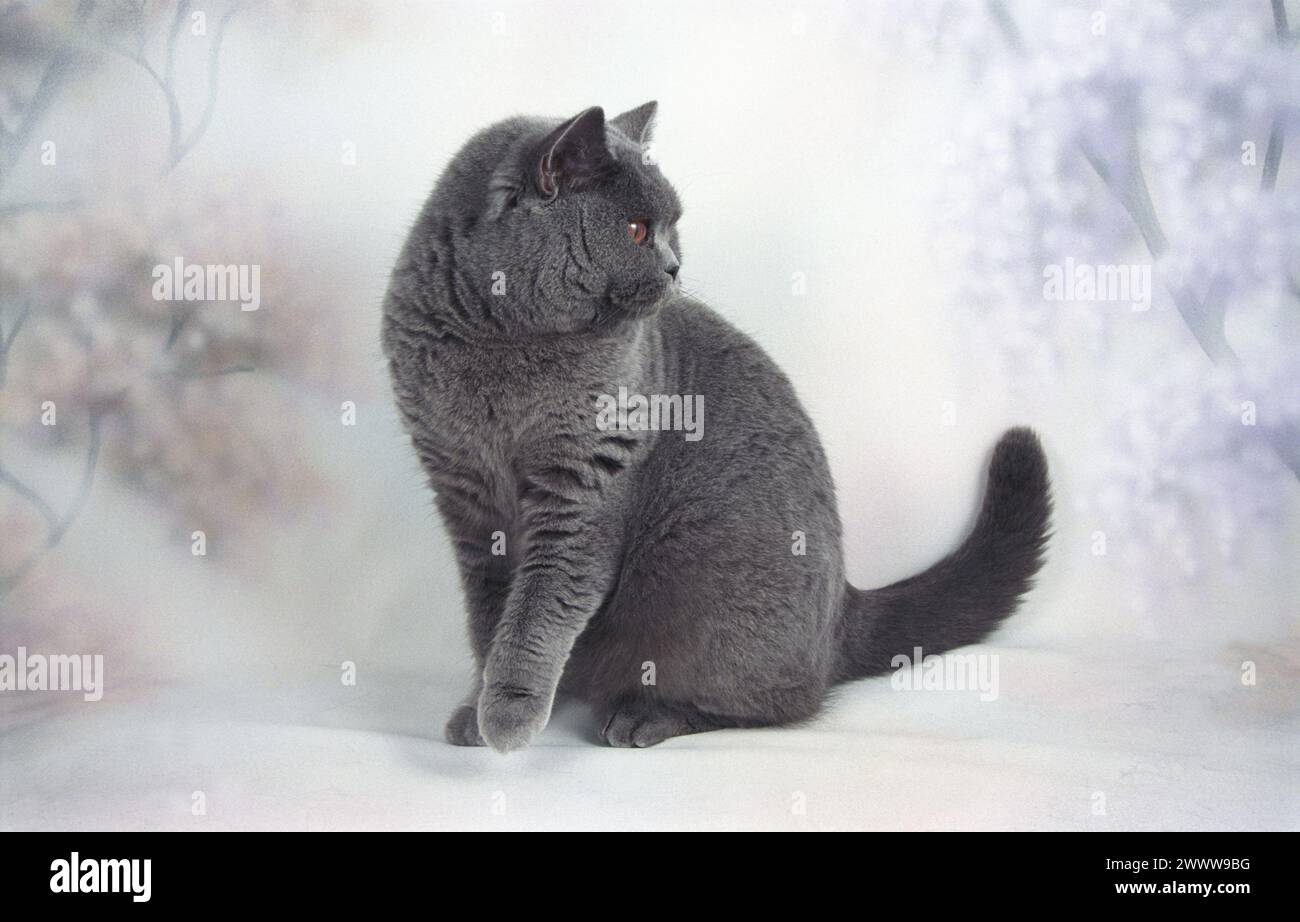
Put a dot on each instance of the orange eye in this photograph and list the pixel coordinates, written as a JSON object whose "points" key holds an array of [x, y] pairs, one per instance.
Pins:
{"points": [[639, 231]]}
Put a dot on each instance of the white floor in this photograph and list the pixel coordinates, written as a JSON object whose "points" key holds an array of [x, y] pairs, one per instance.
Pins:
{"points": [[223, 676], [1073, 741]]}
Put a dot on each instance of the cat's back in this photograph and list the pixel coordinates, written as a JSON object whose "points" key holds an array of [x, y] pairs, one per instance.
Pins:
{"points": [[756, 436], [732, 369]]}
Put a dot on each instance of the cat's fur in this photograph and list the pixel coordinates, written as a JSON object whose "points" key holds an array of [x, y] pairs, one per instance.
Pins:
{"points": [[518, 301]]}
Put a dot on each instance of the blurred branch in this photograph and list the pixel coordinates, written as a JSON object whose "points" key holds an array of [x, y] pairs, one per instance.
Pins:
{"points": [[56, 525], [180, 149], [1010, 31], [87, 480], [179, 143], [178, 23], [1285, 440], [1273, 154], [51, 82], [1203, 315], [7, 339], [1132, 192], [33, 498], [181, 314]]}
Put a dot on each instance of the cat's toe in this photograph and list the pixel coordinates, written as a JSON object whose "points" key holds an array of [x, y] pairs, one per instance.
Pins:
{"points": [[462, 727], [510, 718]]}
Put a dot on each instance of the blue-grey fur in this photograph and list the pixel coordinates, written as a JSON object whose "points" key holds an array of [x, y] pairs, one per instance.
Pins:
{"points": [[653, 576]]}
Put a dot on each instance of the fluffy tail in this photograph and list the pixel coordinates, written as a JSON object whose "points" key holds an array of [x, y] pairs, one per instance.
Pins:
{"points": [[963, 597]]}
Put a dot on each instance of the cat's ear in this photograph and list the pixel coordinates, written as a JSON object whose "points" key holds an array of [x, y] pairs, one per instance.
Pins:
{"points": [[637, 123], [573, 155]]}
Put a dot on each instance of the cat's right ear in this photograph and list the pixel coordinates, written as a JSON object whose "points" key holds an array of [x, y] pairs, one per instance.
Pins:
{"points": [[637, 123], [573, 155]]}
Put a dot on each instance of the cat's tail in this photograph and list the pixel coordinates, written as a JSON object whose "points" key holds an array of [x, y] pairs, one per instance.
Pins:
{"points": [[963, 597]]}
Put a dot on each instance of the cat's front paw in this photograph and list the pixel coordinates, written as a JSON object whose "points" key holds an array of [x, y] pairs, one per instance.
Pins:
{"points": [[510, 717]]}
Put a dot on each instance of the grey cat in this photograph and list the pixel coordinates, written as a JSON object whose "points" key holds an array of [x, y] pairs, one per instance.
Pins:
{"points": [[677, 585]]}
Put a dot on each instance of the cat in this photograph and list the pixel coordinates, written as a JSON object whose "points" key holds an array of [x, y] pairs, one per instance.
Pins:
{"points": [[676, 585]]}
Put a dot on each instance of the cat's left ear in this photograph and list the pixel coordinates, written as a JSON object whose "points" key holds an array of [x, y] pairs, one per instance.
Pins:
{"points": [[637, 123], [573, 155]]}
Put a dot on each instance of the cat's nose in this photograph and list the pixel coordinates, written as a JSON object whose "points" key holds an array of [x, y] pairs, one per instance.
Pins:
{"points": [[673, 270]]}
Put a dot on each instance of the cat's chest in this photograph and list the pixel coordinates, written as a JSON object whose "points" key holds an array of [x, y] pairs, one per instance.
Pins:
{"points": [[488, 415], [495, 397], [492, 417], [504, 396]]}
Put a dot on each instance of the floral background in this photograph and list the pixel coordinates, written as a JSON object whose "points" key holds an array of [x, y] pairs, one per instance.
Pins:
{"points": [[873, 191], [1140, 133]]}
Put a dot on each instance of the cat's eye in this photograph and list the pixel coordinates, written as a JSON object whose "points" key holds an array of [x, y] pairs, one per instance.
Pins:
{"points": [[639, 231]]}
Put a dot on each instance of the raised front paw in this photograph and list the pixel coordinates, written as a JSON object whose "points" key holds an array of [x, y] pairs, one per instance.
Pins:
{"points": [[462, 727], [510, 717]]}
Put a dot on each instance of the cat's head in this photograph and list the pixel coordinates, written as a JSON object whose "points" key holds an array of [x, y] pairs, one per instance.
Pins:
{"points": [[574, 227]]}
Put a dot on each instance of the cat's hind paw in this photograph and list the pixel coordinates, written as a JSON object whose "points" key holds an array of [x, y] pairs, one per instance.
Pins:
{"points": [[638, 725]]}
